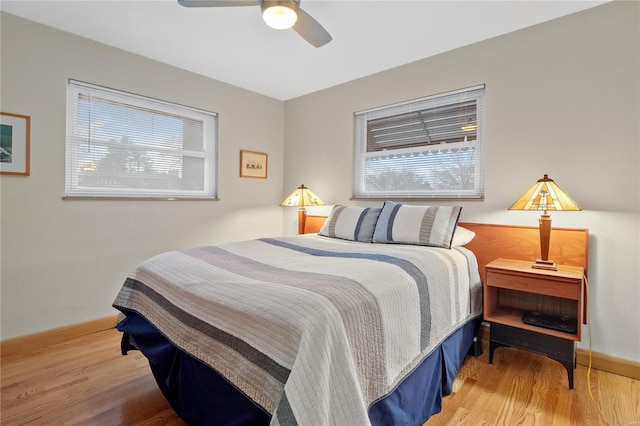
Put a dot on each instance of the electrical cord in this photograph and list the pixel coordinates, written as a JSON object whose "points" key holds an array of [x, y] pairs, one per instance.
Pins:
{"points": [[604, 419]]}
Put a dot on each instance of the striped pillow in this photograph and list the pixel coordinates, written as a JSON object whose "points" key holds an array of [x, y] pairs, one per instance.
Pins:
{"points": [[351, 223], [422, 225]]}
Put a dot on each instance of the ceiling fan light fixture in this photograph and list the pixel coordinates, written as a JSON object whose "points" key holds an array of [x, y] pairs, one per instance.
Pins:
{"points": [[280, 15]]}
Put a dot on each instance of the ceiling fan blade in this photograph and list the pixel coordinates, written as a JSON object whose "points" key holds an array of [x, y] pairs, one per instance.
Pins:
{"points": [[218, 3], [311, 30]]}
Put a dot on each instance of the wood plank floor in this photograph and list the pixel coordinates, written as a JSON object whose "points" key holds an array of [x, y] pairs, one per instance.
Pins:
{"points": [[87, 382]]}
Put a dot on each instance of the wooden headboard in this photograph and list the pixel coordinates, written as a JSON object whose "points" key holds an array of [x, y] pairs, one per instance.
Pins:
{"points": [[312, 224], [569, 246]]}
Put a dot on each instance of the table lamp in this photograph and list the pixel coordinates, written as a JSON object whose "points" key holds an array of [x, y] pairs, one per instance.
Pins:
{"points": [[302, 196], [545, 195]]}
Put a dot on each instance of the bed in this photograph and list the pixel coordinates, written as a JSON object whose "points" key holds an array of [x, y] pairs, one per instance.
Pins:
{"points": [[358, 322]]}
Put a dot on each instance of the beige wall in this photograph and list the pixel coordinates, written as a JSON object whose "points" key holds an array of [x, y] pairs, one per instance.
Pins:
{"points": [[64, 261], [561, 98]]}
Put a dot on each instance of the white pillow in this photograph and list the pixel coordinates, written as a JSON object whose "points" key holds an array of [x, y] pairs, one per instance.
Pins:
{"points": [[462, 236]]}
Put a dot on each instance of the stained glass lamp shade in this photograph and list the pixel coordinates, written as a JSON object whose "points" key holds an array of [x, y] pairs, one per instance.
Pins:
{"points": [[545, 195], [301, 197]]}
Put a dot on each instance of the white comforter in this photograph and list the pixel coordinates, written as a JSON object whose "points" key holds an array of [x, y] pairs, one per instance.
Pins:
{"points": [[311, 328]]}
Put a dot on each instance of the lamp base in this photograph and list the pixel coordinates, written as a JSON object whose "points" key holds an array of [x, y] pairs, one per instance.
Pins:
{"points": [[302, 219], [544, 264]]}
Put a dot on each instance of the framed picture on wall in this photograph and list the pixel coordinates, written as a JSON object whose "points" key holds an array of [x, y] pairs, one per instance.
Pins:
{"points": [[253, 164], [14, 144]]}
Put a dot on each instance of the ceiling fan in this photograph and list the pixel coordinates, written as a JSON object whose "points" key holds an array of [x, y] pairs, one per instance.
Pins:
{"points": [[279, 14]]}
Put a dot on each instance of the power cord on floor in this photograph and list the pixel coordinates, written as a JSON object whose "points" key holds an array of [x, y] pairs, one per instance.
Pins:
{"points": [[604, 419]]}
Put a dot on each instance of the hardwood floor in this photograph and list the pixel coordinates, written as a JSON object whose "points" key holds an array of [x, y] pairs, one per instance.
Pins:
{"points": [[524, 388], [87, 381]]}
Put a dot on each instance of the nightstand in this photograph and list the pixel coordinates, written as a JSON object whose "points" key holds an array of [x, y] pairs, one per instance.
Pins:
{"points": [[513, 287]]}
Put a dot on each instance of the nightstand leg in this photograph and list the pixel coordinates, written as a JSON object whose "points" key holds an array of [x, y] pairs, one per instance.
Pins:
{"points": [[569, 366], [492, 348]]}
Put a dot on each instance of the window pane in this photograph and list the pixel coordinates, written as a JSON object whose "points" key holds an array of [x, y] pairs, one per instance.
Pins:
{"points": [[124, 145], [443, 124], [417, 171], [427, 148]]}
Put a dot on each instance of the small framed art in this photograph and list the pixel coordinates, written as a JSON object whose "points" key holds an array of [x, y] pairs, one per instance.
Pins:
{"points": [[253, 164], [14, 144]]}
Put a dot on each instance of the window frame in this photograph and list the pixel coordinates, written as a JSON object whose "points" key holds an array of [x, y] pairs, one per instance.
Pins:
{"points": [[460, 96], [75, 138]]}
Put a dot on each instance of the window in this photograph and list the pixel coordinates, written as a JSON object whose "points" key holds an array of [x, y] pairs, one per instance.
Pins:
{"points": [[426, 148], [124, 145]]}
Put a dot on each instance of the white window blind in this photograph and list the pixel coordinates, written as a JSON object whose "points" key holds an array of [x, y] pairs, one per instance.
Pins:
{"points": [[431, 147], [125, 145]]}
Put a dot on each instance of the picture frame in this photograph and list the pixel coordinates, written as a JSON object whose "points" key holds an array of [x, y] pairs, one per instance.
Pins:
{"points": [[253, 164], [15, 144]]}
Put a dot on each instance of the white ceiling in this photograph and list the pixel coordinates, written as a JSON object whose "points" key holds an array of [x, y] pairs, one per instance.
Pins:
{"points": [[234, 45]]}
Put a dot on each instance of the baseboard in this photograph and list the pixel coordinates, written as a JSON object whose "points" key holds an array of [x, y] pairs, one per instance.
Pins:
{"points": [[609, 363], [37, 341], [599, 361]]}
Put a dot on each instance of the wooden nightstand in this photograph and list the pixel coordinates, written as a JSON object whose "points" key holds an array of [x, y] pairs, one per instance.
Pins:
{"points": [[512, 287]]}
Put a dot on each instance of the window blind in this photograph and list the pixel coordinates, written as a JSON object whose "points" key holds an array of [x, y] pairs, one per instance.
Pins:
{"points": [[431, 147], [125, 145]]}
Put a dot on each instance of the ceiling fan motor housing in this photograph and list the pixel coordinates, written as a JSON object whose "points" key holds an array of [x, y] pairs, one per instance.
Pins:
{"points": [[289, 4]]}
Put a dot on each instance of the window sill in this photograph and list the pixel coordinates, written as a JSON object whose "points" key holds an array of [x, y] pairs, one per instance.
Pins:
{"points": [[416, 199], [120, 198]]}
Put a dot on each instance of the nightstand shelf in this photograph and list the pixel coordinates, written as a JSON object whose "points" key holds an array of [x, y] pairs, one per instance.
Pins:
{"points": [[513, 316], [513, 287]]}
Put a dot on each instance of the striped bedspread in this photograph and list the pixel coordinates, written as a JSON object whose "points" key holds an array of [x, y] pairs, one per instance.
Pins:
{"points": [[313, 329]]}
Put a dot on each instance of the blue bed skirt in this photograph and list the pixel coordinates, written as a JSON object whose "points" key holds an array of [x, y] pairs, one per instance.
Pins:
{"points": [[201, 396]]}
